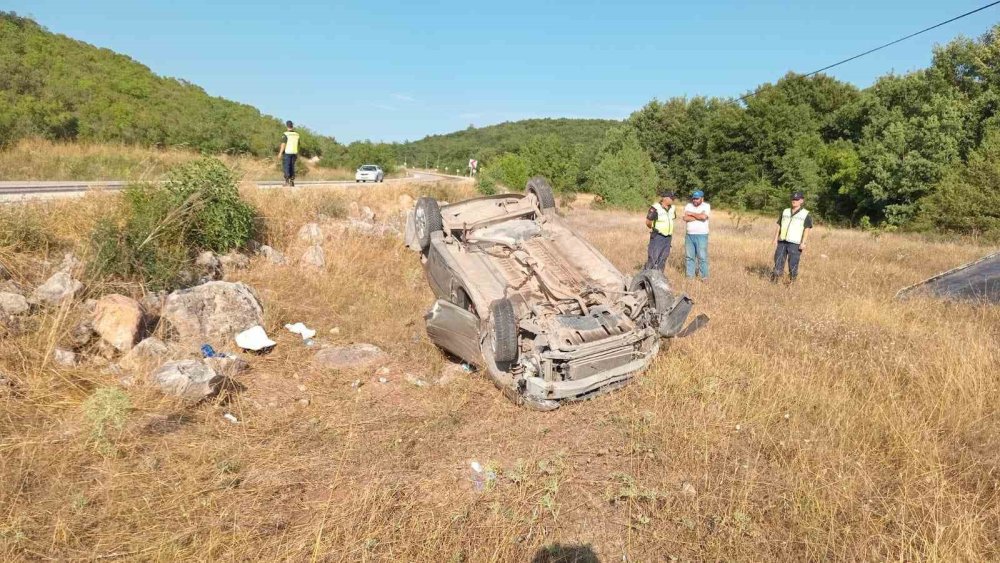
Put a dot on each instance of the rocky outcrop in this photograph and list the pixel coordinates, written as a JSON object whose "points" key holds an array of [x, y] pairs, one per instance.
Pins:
{"points": [[190, 379], [314, 257], [272, 255], [13, 303], [119, 321], [58, 288], [311, 233], [150, 351], [213, 312]]}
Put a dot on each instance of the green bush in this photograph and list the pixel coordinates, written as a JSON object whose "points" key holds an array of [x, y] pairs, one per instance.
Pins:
{"points": [[508, 170], [624, 175], [162, 227]]}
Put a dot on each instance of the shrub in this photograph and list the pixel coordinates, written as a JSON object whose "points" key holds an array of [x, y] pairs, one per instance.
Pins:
{"points": [[107, 411], [624, 176], [509, 170], [161, 228]]}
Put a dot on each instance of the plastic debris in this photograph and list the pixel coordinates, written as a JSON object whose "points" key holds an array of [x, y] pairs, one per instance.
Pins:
{"points": [[482, 477], [231, 417], [302, 330], [255, 339], [310, 342], [467, 368], [383, 380], [207, 351]]}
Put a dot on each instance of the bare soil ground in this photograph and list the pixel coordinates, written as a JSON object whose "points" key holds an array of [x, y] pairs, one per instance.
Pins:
{"points": [[817, 421]]}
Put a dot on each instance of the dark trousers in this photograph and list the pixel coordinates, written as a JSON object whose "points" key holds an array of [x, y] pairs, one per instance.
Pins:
{"points": [[658, 251], [288, 165], [787, 251]]}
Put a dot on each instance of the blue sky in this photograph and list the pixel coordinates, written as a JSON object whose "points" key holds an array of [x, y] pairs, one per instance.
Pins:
{"points": [[402, 70]]}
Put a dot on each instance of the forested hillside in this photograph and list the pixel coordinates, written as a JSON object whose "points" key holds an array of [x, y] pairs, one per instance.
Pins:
{"points": [[484, 143], [55, 87]]}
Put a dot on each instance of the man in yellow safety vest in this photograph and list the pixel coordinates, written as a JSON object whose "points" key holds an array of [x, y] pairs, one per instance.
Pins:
{"points": [[660, 221], [790, 240], [289, 152]]}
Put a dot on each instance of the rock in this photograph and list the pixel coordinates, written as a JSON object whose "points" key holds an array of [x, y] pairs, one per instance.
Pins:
{"points": [[213, 312], [304, 402], [151, 350], [13, 303], [355, 356], [451, 373], [119, 321], [311, 233], [69, 263], [227, 367], [688, 490], [82, 334], [234, 261], [152, 303], [209, 265], [272, 255], [64, 357], [314, 257], [11, 286], [335, 330], [190, 379], [58, 288]]}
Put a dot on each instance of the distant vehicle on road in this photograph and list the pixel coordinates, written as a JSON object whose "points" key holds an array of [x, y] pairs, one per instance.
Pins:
{"points": [[369, 173]]}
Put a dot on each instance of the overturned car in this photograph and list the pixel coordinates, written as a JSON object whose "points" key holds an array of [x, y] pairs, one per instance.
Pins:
{"points": [[522, 295]]}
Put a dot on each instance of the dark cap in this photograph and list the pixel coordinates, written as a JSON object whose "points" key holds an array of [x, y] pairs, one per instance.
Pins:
{"points": [[289, 124], [666, 193], [798, 195]]}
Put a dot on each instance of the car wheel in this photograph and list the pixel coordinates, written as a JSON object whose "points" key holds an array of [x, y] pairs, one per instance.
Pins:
{"points": [[657, 289], [539, 186], [503, 331], [427, 220]]}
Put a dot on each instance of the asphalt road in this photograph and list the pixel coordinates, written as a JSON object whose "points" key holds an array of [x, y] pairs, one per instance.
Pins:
{"points": [[18, 190]]}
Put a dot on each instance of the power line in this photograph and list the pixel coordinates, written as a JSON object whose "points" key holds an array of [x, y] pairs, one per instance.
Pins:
{"points": [[891, 43]]}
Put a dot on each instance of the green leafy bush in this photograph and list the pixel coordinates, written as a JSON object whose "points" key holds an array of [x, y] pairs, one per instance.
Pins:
{"points": [[624, 175], [509, 171], [162, 227]]}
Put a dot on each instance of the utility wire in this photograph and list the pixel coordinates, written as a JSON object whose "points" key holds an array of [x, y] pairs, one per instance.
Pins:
{"points": [[891, 43]]}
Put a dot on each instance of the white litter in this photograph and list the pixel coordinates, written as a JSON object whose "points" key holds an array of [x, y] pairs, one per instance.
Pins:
{"points": [[301, 329], [475, 465], [254, 338], [231, 418]]}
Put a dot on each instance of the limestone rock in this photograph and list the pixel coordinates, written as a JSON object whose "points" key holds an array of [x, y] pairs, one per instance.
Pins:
{"points": [[64, 357], [227, 367], [70, 263], [82, 334], [13, 303], [190, 379], [209, 265], [58, 288], [151, 350], [119, 321], [213, 312], [311, 233], [349, 357], [272, 255], [152, 304], [314, 256], [234, 261]]}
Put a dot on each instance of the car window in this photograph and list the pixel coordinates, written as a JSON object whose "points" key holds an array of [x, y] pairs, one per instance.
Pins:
{"points": [[368, 168]]}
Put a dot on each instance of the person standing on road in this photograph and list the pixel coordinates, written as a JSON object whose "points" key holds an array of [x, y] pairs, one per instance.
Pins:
{"points": [[289, 152], [790, 240], [696, 215], [660, 221]]}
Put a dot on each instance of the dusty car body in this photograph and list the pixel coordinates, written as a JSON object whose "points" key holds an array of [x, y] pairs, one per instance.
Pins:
{"points": [[521, 294]]}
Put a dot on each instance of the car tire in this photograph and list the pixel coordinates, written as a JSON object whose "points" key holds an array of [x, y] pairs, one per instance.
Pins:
{"points": [[657, 289], [503, 332], [427, 220], [539, 186]]}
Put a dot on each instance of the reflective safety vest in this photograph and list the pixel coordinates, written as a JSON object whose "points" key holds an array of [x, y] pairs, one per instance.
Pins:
{"points": [[664, 222], [793, 225], [291, 142]]}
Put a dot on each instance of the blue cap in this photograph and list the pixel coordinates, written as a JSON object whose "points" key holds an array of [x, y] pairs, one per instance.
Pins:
{"points": [[697, 194]]}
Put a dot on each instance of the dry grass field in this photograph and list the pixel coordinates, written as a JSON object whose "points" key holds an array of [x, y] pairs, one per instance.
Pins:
{"points": [[813, 422]]}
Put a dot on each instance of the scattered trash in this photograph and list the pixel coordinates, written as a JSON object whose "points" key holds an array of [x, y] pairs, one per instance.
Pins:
{"points": [[482, 477], [335, 330], [230, 416], [383, 380], [414, 380], [310, 342], [304, 402], [207, 351], [357, 384], [467, 368], [302, 330], [255, 339]]}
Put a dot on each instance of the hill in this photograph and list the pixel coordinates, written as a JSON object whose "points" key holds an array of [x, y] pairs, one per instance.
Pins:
{"points": [[58, 88], [453, 150]]}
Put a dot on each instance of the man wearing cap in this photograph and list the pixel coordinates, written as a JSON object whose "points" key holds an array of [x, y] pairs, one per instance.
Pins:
{"points": [[660, 222], [289, 152], [790, 240], [696, 214]]}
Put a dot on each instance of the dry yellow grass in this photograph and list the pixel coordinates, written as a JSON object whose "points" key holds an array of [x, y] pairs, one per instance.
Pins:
{"points": [[818, 421], [39, 159]]}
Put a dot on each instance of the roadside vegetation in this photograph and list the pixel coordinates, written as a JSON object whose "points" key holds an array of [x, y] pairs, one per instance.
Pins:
{"points": [[819, 421]]}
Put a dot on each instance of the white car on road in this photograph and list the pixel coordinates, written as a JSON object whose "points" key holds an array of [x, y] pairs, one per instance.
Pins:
{"points": [[369, 173]]}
